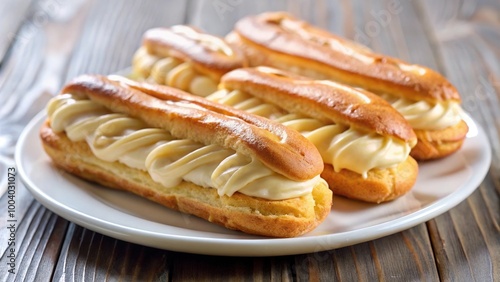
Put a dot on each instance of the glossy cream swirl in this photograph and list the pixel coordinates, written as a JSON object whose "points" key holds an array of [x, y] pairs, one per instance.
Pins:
{"points": [[340, 146], [426, 116], [172, 72], [169, 161]]}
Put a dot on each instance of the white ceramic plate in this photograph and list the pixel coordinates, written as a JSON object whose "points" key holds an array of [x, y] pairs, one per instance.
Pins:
{"points": [[440, 186]]}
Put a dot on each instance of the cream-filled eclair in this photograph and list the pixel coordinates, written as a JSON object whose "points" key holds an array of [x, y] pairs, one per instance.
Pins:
{"points": [[424, 97], [229, 167], [364, 142], [186, 58]]}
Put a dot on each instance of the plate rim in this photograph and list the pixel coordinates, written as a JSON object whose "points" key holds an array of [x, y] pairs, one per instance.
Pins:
{"points": [[251, 247]]}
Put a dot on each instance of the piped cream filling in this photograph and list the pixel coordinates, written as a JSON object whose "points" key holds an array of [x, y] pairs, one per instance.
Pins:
{"points": [[169, 161], [172, 72], [341, 146], [426, 116]]}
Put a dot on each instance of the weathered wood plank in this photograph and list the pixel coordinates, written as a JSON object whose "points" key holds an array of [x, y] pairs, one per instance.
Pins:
{"points": [[27, 78], [469, 236], [468, 36], [32, 73], [38, 237], [89, 256], [219, 16], [13, 13], [110, 37], [209, 268], [360, 262], [23, 205], [376, 259]]}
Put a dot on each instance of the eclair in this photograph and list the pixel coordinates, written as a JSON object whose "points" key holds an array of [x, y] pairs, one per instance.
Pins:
{"points": [[429, 102], [364, 142], [186, 58], [232, 168]]}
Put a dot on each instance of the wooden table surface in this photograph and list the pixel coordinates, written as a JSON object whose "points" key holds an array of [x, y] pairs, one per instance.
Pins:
{"points": [[44, 43]]}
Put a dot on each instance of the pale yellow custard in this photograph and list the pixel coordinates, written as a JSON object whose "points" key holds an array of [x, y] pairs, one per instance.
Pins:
{"points": [[340, 146], [118, 137], [172, 72], [426, 116]]}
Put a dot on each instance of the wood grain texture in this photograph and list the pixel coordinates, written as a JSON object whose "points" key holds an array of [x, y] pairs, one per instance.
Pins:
{"points": [[468, 38], [89, 256], [37, 243], [110, 37], [461, 39], [94, 257], [218, 17], [33, 71], [12, 13]]}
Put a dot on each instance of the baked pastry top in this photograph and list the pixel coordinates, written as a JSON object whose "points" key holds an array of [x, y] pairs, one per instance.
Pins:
{"points": [[229, 167]]}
